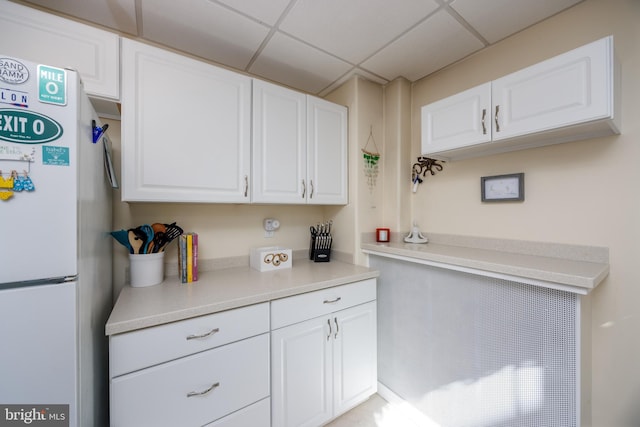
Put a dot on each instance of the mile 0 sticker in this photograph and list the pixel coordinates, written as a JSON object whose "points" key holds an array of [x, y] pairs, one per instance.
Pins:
{"points": [[52, 85]]}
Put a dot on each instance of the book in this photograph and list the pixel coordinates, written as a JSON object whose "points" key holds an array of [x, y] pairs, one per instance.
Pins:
{"points": [[195, 257], [189, 257]]}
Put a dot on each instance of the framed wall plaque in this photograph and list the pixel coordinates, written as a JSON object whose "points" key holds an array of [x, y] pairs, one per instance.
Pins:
{"points": [[502, 188]]}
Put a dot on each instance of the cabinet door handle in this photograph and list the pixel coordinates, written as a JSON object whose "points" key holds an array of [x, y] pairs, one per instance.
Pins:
{"points": [[304, 189], [211, 332], [246, 185], [201, 393], [484, 127], [335, 319], [496, 118], [311, 193], [327, 301], [330, 332]]}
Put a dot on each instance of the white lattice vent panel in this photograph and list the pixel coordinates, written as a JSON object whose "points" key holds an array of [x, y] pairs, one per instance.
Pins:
{"points": [[472, 351]]}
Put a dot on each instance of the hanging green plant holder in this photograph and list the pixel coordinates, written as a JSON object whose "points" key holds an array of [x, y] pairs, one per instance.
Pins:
{"points": [[371, 160]]}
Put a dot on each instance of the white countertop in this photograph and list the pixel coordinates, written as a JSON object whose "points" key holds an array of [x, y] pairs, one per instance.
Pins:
{"points": [[578, 268], [224, 289]]}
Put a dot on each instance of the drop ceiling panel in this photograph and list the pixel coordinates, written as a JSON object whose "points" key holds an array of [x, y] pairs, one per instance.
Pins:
{"points": [[266, 11], [203, 28], [117, 14], [354, 29], [421, 51], [298, 65], [497, 19], [313, 45]]}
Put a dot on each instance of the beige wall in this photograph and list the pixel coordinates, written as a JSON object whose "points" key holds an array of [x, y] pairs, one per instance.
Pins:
{"points": [[366, 206], [581, 192]]}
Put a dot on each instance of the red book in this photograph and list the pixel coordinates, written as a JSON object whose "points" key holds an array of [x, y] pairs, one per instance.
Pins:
{"points": [[195, 257]]}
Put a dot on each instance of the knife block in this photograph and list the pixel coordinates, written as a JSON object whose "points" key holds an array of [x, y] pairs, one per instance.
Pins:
{"points": [[320, 248]]}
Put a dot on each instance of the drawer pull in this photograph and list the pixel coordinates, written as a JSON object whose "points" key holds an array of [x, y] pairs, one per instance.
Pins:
{"points": [[332, 301], [201, 393], [211, 332]]}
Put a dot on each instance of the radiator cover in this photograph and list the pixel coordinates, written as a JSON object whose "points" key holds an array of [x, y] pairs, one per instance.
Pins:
{"points": [[474, 351]]}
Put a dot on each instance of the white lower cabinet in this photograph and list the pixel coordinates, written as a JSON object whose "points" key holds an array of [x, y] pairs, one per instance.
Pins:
{"points": [[323, 366], [296, 361], [226, 374]]}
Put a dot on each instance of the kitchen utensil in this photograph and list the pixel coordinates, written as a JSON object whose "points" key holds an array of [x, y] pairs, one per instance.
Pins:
{"points": [[122, 237], [136, 240], [158, 227], [148, 231], [172, 231]]}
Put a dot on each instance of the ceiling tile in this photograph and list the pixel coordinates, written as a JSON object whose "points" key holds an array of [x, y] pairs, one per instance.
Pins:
{"points": [[355, 29], [116, 14], [497, 19], [422, 51], [266, 11], [298, 65], [203, 28]]}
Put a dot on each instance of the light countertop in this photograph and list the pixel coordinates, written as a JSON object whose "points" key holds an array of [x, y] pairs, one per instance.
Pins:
{"points": [[224, 289], [578, 267]]}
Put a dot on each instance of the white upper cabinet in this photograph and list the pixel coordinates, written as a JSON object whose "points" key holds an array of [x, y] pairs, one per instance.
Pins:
{"points": [[49, 39], [299, 148], [185, 129], [566, 98], [326, 152], [566, 90], [279, 144], [457, 121]]}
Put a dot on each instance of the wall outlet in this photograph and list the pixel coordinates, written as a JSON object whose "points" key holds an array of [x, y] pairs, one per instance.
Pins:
{"points": [[270, 225]]}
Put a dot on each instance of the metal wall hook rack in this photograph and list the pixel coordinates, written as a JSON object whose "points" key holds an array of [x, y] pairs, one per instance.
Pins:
{"points": [[424, 165]]}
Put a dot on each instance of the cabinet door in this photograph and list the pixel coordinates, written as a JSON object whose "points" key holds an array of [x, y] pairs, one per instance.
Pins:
{"points": [[48, 39], [185, 128], [301, 374], [566, 90], [457, 121], [327, 152], [279, 144], [355, 356]]}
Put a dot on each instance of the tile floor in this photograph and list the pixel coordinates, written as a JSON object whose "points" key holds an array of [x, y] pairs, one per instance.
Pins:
{"points": [[375, 412]]}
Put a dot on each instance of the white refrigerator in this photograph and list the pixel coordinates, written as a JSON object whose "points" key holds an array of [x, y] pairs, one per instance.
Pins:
{"points": [[55, 250]]}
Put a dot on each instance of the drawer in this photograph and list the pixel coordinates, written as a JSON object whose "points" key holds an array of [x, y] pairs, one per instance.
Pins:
{"points": [[287, 311], [160, 396], [256, 415], [140, 349]]}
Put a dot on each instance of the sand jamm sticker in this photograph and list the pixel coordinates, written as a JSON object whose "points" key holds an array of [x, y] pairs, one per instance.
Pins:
{"points": [[13, 72], [26, 127]]}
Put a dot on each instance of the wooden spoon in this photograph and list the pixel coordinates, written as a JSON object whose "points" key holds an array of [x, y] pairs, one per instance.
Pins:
{"points": [[136, 241]]}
